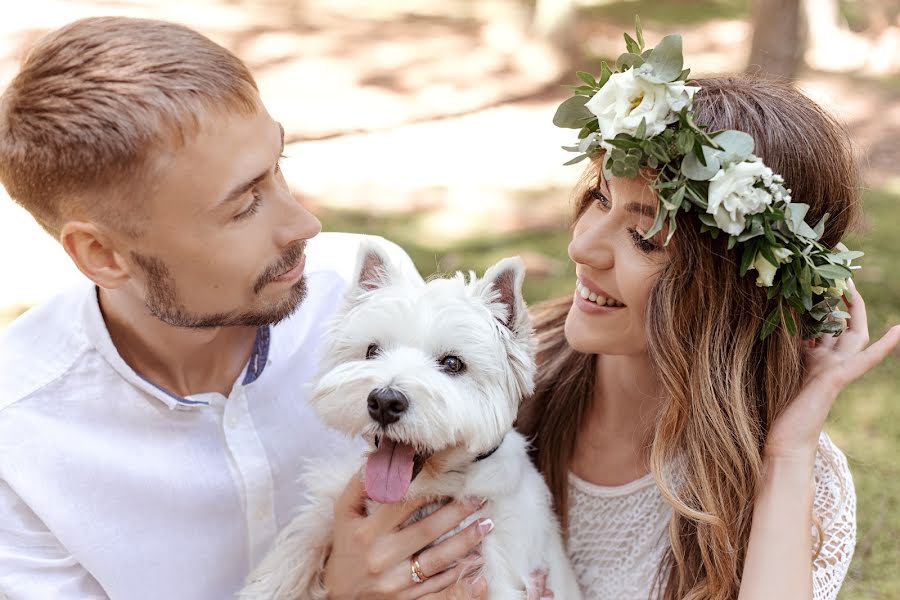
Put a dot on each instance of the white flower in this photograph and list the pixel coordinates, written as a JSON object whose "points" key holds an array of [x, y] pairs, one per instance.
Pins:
{"points": [[766, 269], [627, 97], [733, 194]]}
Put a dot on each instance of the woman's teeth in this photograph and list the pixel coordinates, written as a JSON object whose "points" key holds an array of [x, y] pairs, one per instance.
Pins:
{"points": [[592, 297]]}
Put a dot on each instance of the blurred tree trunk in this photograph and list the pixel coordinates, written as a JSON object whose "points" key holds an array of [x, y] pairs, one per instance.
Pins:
{"points": [[554, 21], [779, 37]]}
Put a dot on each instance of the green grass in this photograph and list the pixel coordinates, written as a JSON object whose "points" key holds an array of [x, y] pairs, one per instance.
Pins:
{"points": [[866, 420]]}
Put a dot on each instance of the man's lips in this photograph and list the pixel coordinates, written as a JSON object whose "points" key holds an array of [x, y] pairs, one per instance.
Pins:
{"points": [[294, 272]]}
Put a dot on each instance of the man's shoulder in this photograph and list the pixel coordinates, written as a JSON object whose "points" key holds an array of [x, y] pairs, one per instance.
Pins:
{"points": [[42, 344]]}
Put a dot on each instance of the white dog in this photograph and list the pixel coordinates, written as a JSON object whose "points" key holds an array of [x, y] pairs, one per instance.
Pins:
{"points": [[431, 376]]}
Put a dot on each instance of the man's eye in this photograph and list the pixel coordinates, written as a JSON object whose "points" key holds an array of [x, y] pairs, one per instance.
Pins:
{"points": [[250, 210]]}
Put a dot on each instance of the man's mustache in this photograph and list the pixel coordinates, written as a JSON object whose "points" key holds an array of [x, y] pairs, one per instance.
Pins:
{"points": [[288, 261]]}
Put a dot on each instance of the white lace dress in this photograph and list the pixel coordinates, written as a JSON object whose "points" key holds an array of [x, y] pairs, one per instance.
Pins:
{"points": [[618, 535]]}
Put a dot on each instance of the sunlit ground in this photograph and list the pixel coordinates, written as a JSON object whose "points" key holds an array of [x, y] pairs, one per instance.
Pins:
{"points": [[429, 123]]}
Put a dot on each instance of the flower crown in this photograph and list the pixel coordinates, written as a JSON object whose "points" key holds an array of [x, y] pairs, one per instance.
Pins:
{"points": [[638, 116]]}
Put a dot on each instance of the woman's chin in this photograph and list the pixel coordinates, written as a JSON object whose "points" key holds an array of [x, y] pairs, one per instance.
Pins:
{"points": [[590, 336]]}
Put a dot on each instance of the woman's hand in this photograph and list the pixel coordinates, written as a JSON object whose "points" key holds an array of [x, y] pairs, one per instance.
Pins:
{"points": [[371, 556], [833, 363]]}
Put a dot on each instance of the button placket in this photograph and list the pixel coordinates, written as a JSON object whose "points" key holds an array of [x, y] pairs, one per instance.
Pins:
{"points": [[253, 465]]}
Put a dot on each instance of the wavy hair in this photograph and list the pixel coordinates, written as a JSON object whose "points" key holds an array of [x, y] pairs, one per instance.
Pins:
{"points": [[723, 387]]}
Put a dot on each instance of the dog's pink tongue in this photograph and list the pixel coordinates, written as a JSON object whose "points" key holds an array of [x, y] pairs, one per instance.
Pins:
{"points": [[389, 471]]}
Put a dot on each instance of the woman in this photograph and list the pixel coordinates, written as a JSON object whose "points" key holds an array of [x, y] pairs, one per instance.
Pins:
{"points": [[684, 453]]}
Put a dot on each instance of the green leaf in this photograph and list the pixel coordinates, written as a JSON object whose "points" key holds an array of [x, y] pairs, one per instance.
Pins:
{"points": [[685, 141], [747, 257], [684, 75], [628, 60], [666, 58], [789, 321], [833, 271], [657, 223], [632, 45], [770, 324], [673, 225], [737, 145], [694, 169], [587, 78], [797, 212], [847, 255], [605, 74], [678, 197], [638, 30], [820, 226], [642, 129], [732, 240], [575, 160], [572, 113]]}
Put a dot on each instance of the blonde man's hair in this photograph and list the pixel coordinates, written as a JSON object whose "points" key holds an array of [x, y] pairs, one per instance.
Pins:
{"points": [[93, 104]]}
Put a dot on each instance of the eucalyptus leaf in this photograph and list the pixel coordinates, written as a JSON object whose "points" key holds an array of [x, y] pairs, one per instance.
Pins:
{"points": [[628, 61], [572, 113], [737, 146], [694, 169], [667, 59], [638, 30]]}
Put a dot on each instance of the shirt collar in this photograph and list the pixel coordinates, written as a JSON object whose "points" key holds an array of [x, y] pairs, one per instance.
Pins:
{"points": [[98, 334]]}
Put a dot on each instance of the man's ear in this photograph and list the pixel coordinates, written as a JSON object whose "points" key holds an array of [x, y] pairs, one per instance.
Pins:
{"points": [[95, 253]]}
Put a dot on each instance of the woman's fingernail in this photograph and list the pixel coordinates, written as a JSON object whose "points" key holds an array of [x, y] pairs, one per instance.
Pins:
{"points": [[485, 526]]}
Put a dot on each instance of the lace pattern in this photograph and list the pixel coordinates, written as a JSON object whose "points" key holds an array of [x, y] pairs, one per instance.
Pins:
{"points": [[618, 535]]}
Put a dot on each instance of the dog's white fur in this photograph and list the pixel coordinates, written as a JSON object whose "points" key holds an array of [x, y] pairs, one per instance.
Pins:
{"points": [[452, 418]]}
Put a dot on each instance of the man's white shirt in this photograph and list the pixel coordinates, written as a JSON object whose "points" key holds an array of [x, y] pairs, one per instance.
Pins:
{"points": [[113, 487]]}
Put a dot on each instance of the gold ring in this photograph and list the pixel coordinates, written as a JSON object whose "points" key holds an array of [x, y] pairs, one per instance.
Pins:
{"points": [[418, 575]]}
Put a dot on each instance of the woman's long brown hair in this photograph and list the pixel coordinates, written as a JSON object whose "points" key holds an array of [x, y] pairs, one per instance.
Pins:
{"points": [[723, 387]]}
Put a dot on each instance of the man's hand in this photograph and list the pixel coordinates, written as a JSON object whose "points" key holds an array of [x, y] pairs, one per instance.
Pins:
{"points": [[371, 556]]}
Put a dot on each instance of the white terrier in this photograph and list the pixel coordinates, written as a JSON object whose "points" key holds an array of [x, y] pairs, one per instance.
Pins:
{"points": [[431, 376]]}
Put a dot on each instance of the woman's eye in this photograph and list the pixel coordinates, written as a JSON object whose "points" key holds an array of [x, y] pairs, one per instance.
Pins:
{"points": [[598, 195], [452, 364], [646, 246], [250, 210], [372, 351]]}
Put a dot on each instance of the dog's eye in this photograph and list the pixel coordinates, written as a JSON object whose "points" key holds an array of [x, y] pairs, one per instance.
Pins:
{"points": [[452, 364], [372, 351]]}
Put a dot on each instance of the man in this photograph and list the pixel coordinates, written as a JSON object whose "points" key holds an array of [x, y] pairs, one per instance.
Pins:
{"points": [[152, 422]]}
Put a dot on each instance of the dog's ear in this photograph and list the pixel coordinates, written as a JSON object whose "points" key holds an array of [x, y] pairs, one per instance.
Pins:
{"points": [[502, 284], [373, 268]]}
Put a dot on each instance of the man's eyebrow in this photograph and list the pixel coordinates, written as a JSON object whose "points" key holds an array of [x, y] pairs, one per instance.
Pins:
{"points": [[243, 188]]}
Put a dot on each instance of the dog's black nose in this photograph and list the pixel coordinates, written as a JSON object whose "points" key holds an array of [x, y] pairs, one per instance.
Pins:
{"points": [[387, 405]]}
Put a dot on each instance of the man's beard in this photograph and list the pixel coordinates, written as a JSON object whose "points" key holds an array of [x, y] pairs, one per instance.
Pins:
{"points": [[163, 303]]}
